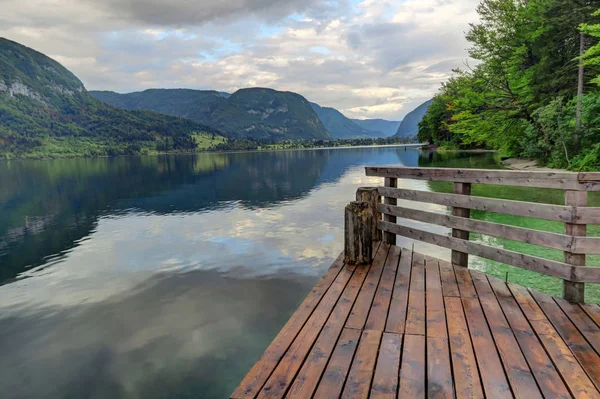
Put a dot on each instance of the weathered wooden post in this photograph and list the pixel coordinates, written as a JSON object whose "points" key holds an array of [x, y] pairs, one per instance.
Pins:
{"points": [[390, 238], [358, 240], [371, 196], [575, 292], [461, 258]]}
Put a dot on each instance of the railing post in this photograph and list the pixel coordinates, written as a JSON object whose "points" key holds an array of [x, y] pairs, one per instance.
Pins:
{"points": [[461, 258], [371, 196], [390, 238], [358, 239], [575, 292]]}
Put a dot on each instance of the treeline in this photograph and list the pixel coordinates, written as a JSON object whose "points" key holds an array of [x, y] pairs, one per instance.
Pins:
{"points": [[534, 91], [261, 144]]}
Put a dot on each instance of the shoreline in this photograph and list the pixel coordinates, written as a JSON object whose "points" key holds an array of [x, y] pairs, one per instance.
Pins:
{"points": [[527, 164]]}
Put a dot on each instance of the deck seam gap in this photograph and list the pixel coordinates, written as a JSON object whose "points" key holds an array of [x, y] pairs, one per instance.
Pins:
{"points": [[577, 328], [377, 288]]}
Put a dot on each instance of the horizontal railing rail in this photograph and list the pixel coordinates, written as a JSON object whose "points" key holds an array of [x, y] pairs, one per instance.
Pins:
{"points": [[575, 214]]}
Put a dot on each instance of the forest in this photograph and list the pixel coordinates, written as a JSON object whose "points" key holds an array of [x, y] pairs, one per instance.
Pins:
{"points": [[533, 89]]}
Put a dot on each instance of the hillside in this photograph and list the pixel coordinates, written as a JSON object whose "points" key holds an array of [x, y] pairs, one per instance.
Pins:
{"points": [[185, 103], [45, 111], [248, 113], [410, 124], [268, 114], [339, 126], [385, 127]]}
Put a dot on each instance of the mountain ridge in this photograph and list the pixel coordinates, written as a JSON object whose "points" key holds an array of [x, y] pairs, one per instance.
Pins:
{"points": [[410, 124]]}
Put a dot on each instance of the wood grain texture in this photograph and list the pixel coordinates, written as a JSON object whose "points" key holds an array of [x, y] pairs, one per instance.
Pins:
{"points": [[449, 284], [517, 370], [412, 370], [335, 374], [396, 320], [528, 262], [385, 380], [546, 375], [495, 384], [362, 306], [358, 384], [539, 179], [388, 237], [381, 303], [466, 374], [439, 372]]}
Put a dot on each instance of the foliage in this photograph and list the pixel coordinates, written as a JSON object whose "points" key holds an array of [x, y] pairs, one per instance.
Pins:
{"points": [[46, 112], [520, 97]]}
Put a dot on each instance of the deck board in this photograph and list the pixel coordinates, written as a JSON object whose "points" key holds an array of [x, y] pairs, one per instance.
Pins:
{"points": [[410, 325]]}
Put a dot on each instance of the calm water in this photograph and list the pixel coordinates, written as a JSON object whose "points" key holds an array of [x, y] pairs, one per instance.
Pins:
{"points": [[166, 277]]}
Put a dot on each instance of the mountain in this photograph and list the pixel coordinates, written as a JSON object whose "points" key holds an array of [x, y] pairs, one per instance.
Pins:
{"points": [[185, 103], [267, 113], [385, 127], [45, 111], [339, 126], [248, 113], [410, 124]]}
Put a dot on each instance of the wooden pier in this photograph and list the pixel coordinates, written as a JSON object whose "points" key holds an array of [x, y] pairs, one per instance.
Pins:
{"points": [[406, 325]]}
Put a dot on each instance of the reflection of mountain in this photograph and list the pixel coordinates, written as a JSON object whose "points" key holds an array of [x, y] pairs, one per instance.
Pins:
{"points": [[47, 207]]}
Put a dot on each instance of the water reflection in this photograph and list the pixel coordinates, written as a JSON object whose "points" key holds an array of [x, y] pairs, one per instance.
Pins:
{"points": [[162, 276]]}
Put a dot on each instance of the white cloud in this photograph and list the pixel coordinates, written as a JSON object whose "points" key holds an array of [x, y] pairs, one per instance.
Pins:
{"points": [[376, 58]]}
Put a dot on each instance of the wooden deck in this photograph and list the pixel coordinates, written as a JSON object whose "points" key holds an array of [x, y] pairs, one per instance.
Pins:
{"points": [[411, 326]]}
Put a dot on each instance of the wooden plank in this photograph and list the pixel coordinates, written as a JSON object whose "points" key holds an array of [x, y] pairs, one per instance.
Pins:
{"points": [[533, 263], [562, 242], [495, 384], [390, 238], [290, 363], [465, 282], [582, 350], [582, 321], [381, 304], [435, 314], [396, 321], [592, 310], [412, 370], [306, 381], [337, 369], [358, 384], [530, 308], [418, 260], [546, 375], [385, 381], [439, 372], [517, 371], [415, 318], [571, 371], [559, 213], [262, 369], [449, 284], [360, 310], [358, 233], [466, 375], [539, 179]]}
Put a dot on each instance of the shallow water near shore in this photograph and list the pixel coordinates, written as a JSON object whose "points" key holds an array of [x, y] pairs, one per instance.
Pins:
{"points": [[167, 277]]}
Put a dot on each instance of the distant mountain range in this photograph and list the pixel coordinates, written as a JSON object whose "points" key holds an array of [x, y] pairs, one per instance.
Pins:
{"points": [[410, 124], [256, 113], [46, 111]]}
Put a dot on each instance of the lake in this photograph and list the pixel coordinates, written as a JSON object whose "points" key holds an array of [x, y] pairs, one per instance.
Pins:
{"points": [[167, 276]]}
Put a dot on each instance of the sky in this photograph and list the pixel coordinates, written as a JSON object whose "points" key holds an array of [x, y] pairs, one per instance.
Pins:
{"points": [[366, 58]]}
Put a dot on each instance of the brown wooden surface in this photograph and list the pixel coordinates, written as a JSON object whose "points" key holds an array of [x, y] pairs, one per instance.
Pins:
{"points": [[539, 179], [425, 328]]}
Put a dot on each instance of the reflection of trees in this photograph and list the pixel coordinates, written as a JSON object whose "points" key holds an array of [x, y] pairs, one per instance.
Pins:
{"points": [[47, 206]]}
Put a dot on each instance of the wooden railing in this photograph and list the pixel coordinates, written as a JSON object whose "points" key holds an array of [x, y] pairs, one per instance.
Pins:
{"points": [[574, 214]]}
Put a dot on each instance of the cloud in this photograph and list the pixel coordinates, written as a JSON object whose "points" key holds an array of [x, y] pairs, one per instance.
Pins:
{"points": [[369, 58]]}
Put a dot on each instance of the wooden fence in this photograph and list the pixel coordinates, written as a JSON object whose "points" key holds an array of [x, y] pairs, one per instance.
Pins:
{"points": [[365, 223]]}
